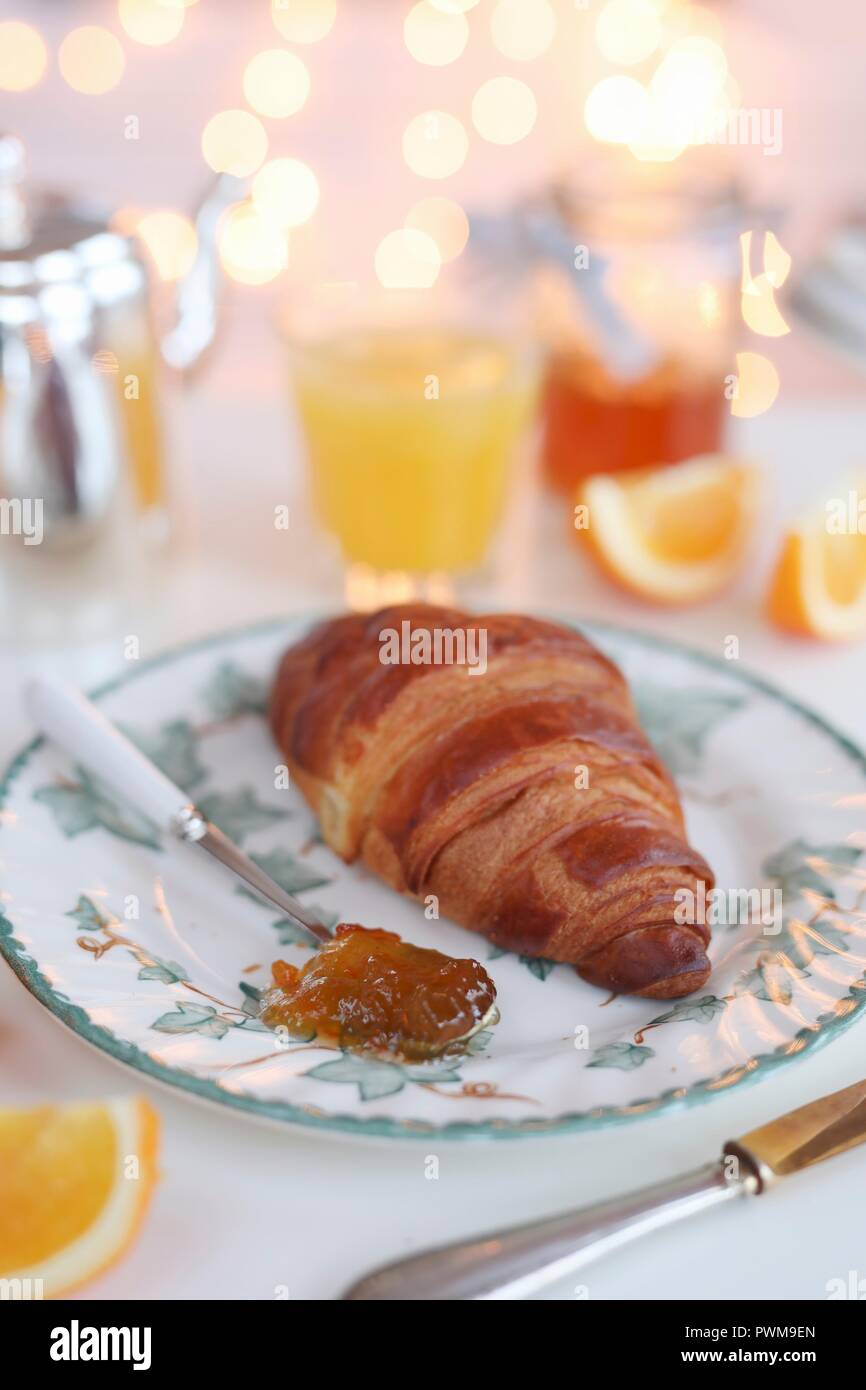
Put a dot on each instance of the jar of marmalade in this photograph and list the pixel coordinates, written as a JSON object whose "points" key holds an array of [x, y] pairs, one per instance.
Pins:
{"points": [[667, 264]]}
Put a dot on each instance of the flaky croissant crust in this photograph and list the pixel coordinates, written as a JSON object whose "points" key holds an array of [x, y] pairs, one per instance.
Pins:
{"points": [[526, 799]]}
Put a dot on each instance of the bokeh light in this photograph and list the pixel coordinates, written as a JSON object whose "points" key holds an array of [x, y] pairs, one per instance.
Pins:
{"points": [[761, 313], [23, 56], [454, 6], [689, 82], [661, 136], [757, 385], [617, 109], [681, 21], [504, 110], [688, 96], [407, 260], [286, 191], [708, 301], [435, 145], [523, 29], [777, 261], [434, 37], [628, 31], [444, 221], [693, 63], [151, 22], [657, 144], [276, 83], [171, 241], [124, 220], [234, 142], [253, 250], [91, 60], [304, 21]]}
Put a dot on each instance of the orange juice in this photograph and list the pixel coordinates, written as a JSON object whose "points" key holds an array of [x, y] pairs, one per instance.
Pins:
{"points": [[141, 426], [410, 433]]}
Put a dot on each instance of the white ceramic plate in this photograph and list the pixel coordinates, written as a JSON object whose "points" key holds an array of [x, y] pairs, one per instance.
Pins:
{"points": [[155, 955]]}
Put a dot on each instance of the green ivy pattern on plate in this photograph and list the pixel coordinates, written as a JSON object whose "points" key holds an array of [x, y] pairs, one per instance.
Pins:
{"points": [[538, 966], [623, 1056], [203, 954], [800, 867], [83, 803], [105, 932], [231, 692], [679, 724], [376, 1078]]}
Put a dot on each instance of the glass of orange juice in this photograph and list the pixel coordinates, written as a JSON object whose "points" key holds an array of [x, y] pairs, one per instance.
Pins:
{"points": [[410, 424]]}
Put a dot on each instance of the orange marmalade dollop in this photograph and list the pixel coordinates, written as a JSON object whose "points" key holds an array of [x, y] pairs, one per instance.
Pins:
{"points": [[372, 992]]}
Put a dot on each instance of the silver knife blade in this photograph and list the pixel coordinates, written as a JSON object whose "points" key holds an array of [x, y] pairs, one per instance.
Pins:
{"points": [[190, 825]]}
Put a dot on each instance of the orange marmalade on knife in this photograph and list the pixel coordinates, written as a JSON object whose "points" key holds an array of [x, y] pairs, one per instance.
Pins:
{"points": [[369, 991]]}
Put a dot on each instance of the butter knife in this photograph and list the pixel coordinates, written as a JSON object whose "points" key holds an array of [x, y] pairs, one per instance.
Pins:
{"points": [[523, 1260], [72, 721], [75, 723]]}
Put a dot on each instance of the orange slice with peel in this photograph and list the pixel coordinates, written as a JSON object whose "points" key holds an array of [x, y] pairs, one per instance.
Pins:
{"points": [[672, 535], [75, 1182], [818, 587]]}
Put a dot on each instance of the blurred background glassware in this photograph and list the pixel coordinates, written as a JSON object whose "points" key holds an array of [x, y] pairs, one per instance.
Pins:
{"points": [[671, 267], [412, 406], [80, 418]]}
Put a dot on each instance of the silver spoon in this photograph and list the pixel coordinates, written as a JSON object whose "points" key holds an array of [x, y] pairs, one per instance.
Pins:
{"points": [[72, 721]]}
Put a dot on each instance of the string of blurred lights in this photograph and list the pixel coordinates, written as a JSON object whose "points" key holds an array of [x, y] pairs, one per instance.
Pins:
{"points": [[253, 237], [757, 378], [677, 92]]}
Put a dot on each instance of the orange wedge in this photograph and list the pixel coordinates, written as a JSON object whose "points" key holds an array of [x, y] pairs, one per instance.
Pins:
{"points": [[819, 584], [75, 1182], [673, 535]]}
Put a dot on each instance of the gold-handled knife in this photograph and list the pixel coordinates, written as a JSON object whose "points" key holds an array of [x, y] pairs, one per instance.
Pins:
{"points": [[521, 1261]]}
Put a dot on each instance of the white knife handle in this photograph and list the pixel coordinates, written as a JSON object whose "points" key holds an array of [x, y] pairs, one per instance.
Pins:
{"points": [[69, 718]]}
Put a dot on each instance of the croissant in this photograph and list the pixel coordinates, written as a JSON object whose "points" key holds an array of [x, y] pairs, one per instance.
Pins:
{"points": [[523, 796]]}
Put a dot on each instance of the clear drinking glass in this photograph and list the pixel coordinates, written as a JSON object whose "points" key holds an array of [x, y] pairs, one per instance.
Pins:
{"points": [[671, 258], [411, 416]]}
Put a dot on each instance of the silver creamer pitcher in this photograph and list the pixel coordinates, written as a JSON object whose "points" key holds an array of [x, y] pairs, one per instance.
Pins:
{"points": [[79, 357]]}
